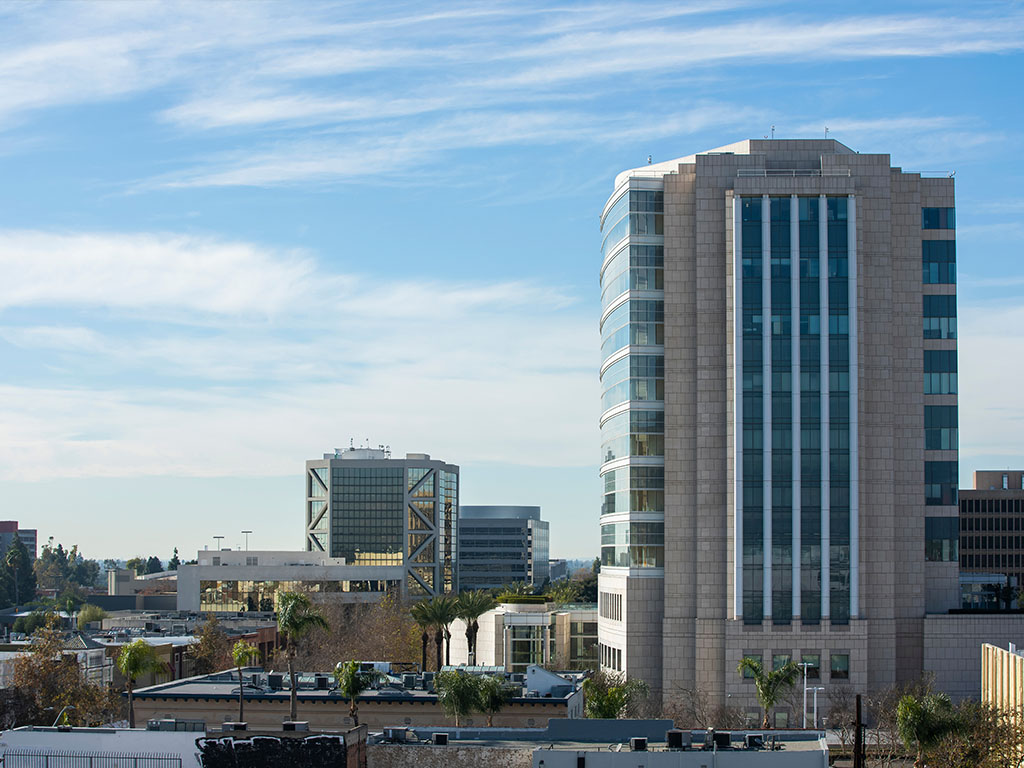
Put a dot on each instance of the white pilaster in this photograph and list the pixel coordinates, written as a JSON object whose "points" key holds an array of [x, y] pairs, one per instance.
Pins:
{"points": [[737, 405]]}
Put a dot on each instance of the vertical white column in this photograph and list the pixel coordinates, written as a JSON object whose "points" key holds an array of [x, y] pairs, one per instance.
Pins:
{"points": [[851, 246], [823, 328], [794, 299], [766, 389], [737, 405]]}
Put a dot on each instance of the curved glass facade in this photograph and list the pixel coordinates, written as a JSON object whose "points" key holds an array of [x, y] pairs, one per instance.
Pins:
{"points": [[633, 377]]}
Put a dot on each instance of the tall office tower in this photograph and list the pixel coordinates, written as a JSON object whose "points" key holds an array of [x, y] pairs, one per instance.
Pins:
{"points": [[500, 545], [778, 340], [9, 531], [370, 509]]}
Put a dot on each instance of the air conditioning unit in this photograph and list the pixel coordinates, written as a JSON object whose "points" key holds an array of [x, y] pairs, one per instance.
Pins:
{"points": [[233, 726], [440, 739], [638, 744], [397, 735], [275, 681], [677, 739], [723, 740], [295, 725]]}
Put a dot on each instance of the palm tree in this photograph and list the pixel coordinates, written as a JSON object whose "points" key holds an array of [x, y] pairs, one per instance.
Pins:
{"points": [[458, 693], [470, 606], [243, 654], [423, 617], [517, 589], [494, 693], [14, 560], [352, 681], [769, 685], [923, 722], [136, 659], [296, 618], [446, 610]]}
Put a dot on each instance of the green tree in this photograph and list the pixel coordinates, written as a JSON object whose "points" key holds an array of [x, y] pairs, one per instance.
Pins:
{"points": [[296, 618], [90, 613], [174, 562], [469, 607], [517, 589], [18, 576], [153, 565], [923, 721], [610, 696], [458, 693], [136, 659], [212, 651], [242, 654], [769, 686], [563, 592], [493, 693], [352, 681], [137, 565]]}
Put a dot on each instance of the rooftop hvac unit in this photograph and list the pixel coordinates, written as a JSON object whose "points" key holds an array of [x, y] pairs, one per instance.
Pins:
{"points": [[258, 681], [321, 683], [723, 740], [233, 726], [638, 744], [295, 725], [677, 739], [409, 681], [754, 741], [440, 739], [397, 735], [275, 681]]}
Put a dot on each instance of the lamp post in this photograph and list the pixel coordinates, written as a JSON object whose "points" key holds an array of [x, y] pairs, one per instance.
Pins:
{"points": [[805, 665], [816, 689], [217, 540], [246, 534], [61, 714]]}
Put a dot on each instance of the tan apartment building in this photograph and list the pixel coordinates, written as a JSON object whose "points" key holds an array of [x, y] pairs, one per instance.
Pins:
{"points": [[778, 336]]}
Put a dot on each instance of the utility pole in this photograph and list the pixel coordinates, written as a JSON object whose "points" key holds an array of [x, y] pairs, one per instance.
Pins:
{"points": [[858, 738]]}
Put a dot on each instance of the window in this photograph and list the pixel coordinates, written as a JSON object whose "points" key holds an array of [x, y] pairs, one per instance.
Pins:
{"points": [[940, 427], [779, 660], [840, 666], [938, 261], [939, 317], [813, 662], [938, 218], [940, 482], [940, 372], [942, 539]]}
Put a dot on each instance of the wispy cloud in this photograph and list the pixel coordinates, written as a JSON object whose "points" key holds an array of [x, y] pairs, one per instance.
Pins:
{"points": [[197, 382]]}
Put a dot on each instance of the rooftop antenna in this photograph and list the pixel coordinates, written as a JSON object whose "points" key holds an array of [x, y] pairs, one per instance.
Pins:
{"points": [[826, 131], [648, 159], [773, 131]]}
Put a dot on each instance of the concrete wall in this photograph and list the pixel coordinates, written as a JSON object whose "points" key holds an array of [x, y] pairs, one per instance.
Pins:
{"points": [[952, 648], [453, 756]]}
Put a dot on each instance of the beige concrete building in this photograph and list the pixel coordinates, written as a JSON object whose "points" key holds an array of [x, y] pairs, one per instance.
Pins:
{"points": [[779, 364], [1002, 679]]}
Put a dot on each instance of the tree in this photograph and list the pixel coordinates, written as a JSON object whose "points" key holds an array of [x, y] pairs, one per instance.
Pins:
{"points": [[493, 693], [769, 686], [29, 624], [243, 654], [296, 618], [48, 679], [457, 693], [352, 681], [18, 576], [439, 613], [174, 562], [212, 652], [563, 593], [138, 565], [424, 619], [153, 565], [923, 721], [517, 589], [136, 659], [469, 607], [90, 613], [611, 696]]}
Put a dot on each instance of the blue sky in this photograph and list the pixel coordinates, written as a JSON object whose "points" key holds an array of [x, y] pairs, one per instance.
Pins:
{"points": [[235, 236]]}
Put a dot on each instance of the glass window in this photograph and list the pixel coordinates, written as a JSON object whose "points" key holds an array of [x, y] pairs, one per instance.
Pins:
{"points": [[938, 218], [813, 662], [779, 660], [938, 261], [840, 666], [940, 372], [942, 539], [940, 427], [747, 675], [939, 317]]}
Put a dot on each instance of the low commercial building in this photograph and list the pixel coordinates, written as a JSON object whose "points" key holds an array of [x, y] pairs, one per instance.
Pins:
{"points": [[990, 538], [229, 581], [516, 635], [405, 700]]}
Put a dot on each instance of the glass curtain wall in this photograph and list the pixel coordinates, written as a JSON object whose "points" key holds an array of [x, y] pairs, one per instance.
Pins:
{"points": [[633, 384]]}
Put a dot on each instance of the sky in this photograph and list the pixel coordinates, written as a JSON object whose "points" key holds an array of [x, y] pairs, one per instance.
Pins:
{"points": [[234, 236]]}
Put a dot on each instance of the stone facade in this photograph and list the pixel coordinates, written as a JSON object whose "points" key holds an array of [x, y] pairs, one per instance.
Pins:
{"points": [[690, 607]]}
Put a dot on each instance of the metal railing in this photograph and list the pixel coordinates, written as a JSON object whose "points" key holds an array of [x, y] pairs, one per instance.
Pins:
{"points": [[758, 172], [28, 758]]}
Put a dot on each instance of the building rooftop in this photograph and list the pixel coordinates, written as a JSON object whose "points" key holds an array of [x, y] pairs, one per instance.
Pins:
{"points": [[497, 512]]}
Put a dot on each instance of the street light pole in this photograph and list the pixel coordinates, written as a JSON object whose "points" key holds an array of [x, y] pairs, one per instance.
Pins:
{"points": [[218, 540], [246, 534], [805, 665], [816, 705]]}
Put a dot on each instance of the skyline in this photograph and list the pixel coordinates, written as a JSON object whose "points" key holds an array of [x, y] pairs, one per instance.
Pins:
{"points": [[227, 254]]}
